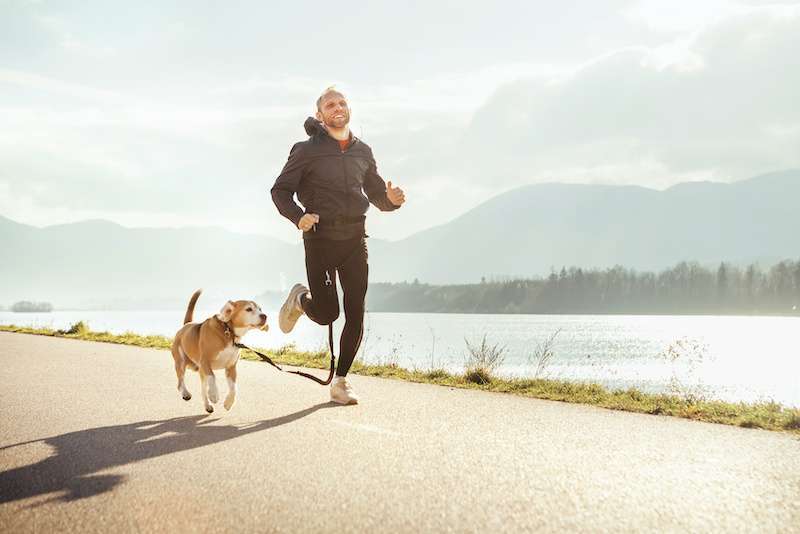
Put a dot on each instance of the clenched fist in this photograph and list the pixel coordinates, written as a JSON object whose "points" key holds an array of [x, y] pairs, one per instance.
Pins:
{"points": [[307, 221], [395, 194]]}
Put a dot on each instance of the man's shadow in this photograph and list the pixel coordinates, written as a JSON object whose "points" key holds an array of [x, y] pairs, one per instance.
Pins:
{"points": [[78, 455]]}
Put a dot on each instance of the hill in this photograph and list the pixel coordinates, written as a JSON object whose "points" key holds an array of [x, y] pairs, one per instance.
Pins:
{"points": [[521, 233]]}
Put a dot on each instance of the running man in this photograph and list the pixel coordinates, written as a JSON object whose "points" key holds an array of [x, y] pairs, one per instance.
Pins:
{"points": [[330, 173]]}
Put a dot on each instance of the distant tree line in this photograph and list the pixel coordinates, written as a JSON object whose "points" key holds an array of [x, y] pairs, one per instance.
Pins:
{"points": [[27, 306], [686, 288]]}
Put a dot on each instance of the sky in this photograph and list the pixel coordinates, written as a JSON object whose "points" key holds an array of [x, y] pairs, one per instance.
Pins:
{"points": [[165, 114]]}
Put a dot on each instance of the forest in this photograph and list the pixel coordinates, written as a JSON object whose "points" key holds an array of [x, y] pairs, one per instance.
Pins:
{"points": [[686, 288]]}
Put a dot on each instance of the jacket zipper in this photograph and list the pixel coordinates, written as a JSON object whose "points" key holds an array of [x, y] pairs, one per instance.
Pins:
{"points": [[346, 187], [348, 206]]}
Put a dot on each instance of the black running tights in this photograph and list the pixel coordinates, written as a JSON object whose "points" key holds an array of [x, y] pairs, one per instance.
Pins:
{"points": [[324, 258]]}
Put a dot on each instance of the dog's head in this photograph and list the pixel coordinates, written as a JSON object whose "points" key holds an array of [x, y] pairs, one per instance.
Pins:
{"points": [[243, 315]]}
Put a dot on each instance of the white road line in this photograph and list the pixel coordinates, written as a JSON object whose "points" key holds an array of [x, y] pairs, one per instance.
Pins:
{"points": [[365, 428]]}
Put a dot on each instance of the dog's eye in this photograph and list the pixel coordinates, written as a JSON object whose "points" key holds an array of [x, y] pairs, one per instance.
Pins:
{"points": [[249, 309]]}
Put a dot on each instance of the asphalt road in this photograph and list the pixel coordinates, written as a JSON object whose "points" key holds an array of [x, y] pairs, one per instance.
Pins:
{"points": [[94, 438]]}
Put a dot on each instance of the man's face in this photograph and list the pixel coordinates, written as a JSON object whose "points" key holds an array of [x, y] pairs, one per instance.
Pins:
{"points": [[333, 111]]}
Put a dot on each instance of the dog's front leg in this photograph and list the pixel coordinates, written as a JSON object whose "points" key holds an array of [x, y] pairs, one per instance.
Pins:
{"points": [[230, 372], [209, 387], [204, 392]]}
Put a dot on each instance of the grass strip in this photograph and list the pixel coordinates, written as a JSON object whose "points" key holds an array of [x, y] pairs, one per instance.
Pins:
{"points": [[763, 415]]}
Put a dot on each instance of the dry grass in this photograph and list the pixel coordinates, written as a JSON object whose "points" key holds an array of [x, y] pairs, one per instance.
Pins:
{"points": [[765, 415], [482, 361]]}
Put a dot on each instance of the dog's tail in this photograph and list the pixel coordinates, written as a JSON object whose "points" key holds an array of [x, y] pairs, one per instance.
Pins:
{"points": [[190, 310]]}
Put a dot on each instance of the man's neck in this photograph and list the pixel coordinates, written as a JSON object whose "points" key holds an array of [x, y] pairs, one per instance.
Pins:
{"points": [[340, 134]]}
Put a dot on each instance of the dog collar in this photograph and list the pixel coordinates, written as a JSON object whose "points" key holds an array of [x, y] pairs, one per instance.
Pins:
{"points": [[229, 332]]}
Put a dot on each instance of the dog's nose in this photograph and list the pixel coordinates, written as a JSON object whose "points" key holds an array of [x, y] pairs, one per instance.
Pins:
{"points": [[263, 316]]}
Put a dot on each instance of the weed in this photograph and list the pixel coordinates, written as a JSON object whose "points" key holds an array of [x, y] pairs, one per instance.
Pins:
{"points": [[78, 328], [483, 360], [685, 357], [543, 354], [792, 422], [478, 375], [436, 374], [433, 347]]}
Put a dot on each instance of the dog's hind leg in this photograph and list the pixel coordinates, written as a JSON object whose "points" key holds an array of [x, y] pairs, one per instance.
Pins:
{"points": [[180, 370], [230, 373]]}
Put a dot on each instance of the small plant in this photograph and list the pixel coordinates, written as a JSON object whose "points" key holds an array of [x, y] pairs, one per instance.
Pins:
{"points": [[390, 360], [483, 360], [433, 347], [436, 374], [365, 338], [543, 354], [79, 328], [792, 421], [286, 349], [478, 375], [690, 354]]}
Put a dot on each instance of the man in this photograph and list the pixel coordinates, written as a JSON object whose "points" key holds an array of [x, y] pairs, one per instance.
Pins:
{"points": [[330, 173]]}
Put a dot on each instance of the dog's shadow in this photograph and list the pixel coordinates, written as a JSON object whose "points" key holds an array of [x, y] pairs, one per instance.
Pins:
{"points": [[78, 456]]}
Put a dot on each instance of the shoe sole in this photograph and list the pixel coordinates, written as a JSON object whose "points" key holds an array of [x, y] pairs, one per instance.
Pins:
{"points": [[345, 403], [289, 315]]}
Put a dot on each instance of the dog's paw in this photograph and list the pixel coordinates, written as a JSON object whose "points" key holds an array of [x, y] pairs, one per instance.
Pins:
{"points": [[187, 396], [210, 409], [229, 402], [213, 394]]}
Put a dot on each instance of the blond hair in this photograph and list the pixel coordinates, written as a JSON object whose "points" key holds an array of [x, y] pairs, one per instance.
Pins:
{"points": [[332, 90]]}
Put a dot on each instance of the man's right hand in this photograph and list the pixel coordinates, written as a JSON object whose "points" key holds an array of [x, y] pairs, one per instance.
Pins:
{"points": [[307, 221]]}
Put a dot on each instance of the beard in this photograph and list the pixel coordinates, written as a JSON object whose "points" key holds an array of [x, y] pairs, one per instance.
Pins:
{"points": [[330, 122]]}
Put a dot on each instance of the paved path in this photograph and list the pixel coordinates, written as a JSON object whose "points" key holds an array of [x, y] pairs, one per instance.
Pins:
{"points": [[94, 438]]}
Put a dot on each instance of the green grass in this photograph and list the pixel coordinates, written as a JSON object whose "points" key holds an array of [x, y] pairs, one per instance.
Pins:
{"points": [[764, 415]]}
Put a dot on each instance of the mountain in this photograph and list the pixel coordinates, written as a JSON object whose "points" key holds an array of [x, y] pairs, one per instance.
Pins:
{"points": [[527, 231], [96, 263], [521, 233]]}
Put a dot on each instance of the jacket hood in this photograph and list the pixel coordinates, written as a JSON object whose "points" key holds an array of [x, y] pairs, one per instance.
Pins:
{"points": [[313, 127]]}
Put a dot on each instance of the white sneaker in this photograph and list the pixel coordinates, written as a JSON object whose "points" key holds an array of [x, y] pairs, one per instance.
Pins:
{"points": [[291, 309], [342, 391]]}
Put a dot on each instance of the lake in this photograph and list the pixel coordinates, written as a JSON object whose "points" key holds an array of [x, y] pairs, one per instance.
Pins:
{"points": [[730, 358]]}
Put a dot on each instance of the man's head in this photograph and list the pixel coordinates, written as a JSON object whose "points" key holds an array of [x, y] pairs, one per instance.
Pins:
{"points": [[332, 108]]}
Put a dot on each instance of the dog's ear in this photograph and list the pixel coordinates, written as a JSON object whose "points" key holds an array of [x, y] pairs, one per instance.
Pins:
{"points": [[226, 312]]}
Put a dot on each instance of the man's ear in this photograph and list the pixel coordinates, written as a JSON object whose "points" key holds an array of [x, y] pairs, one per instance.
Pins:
{"points": [[319, 116], [226, 312]]}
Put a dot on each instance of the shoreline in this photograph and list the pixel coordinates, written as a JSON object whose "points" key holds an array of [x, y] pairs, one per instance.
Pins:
{"points": [[765, 415]]}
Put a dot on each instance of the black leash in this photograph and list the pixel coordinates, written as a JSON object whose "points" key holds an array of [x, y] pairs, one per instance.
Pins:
{"points": [[301, 373]]}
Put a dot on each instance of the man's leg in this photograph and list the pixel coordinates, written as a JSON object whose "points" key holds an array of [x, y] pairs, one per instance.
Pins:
{"points": [[353, 275], [322, 306], [319, 301]]}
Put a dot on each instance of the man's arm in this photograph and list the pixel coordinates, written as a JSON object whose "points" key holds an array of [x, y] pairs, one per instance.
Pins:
{"points": [[375, 187], [287, 183]]}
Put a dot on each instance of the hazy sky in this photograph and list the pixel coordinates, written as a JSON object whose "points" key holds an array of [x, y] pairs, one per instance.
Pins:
{"points": [[182, 113]]}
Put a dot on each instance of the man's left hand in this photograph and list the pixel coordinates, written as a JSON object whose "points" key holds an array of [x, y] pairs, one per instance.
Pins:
{"points": [[395, 194]]}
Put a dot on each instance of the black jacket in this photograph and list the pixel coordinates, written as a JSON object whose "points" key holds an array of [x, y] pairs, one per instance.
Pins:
{"points": [[330, 183]]}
